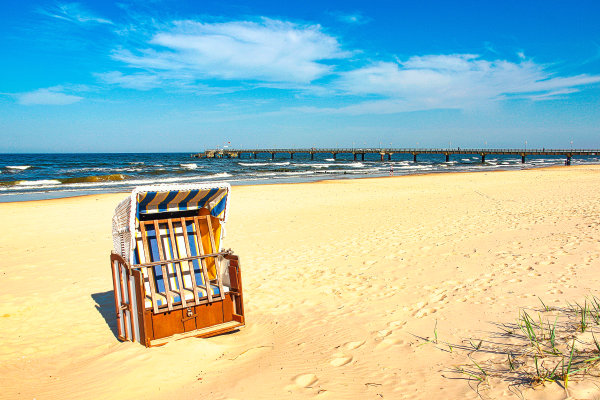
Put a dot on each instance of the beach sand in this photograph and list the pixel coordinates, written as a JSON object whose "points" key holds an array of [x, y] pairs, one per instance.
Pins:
{"points": [[343, 282]]}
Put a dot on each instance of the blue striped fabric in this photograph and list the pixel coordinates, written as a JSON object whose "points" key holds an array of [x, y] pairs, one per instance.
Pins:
{"points": [[214, 199]]}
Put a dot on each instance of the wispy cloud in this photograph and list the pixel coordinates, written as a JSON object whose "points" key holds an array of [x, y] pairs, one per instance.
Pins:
{"points": [[355, 18], [264, 51], [74, 12], [54, 96], [452, 81], [162, 79], [139, 81]]}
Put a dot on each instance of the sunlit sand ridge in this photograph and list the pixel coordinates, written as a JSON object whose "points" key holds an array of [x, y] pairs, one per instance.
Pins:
{"points": [[344, 282]]}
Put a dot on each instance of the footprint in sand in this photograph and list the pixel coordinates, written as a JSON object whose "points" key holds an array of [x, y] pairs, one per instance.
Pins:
{"points": [[340, 359], [424, 312], [384, 332], [396, 324], [306, 380], [389, 342], [353, 345], [393, 341]]}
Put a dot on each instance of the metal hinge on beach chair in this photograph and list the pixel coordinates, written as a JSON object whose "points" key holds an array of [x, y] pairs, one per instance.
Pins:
{"points": [[172, 284]]}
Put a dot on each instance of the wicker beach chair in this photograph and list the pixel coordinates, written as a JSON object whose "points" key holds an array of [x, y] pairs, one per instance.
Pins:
{"points": [[170, 279]]}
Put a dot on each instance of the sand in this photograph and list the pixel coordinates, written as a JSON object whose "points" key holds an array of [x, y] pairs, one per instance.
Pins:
{"points": [[343, 282]]}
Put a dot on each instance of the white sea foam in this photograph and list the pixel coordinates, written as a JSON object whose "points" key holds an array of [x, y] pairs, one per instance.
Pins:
{"points": [[297, 173], [421, 167], [262, 164], [189, 166], [18, 167], [354, 172], [41, 182], [263, 174], [356, 165], [319, 166], [110, 170], [213, 176]]}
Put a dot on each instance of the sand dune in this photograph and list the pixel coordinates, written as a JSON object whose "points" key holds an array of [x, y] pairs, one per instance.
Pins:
{"points": [[343, 281]]}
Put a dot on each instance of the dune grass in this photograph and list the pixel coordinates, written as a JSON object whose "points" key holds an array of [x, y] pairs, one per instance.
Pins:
{"points": [[547, 345]]}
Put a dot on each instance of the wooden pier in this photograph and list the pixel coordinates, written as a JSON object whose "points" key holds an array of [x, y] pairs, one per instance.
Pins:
{"points": [[388, 152]]}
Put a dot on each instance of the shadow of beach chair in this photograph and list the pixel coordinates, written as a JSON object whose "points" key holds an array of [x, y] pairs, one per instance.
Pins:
{"points": [[170, 279]]}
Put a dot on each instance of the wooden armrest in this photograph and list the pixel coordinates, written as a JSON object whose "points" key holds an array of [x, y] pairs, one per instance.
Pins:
{"points": [[117, 257]]}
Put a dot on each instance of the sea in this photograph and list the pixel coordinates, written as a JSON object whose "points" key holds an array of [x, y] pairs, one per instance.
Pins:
{"points": [[26, 177]]}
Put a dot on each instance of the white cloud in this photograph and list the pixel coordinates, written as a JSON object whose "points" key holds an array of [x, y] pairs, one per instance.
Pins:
{"points": [[452, 81], [74, 12], [139, 81], [355, 18], [162, 79], [49, 96], [266, 51]]}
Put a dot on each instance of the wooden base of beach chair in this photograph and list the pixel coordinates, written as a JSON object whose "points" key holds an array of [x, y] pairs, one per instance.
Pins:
{"points": [[199, 333], [197, 321], [136, 322]]}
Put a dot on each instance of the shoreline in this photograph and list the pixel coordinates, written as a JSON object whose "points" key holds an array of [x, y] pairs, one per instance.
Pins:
{"points": [[346, 284], [62, 195]]}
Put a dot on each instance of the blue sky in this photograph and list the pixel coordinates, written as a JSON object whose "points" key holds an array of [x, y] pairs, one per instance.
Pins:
{"points": [[137, 76]]}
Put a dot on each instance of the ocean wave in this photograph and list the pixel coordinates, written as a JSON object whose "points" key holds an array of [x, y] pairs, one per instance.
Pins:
{"points": [[213, 176], [18, 167], [189, 166], [95, 178], [106, 170], [331, 171], [262, 164], [421, 167], [265, 174], [160, 171], [41, 182], [318, 166], [368, 170], [297, 173], [177, 179]]}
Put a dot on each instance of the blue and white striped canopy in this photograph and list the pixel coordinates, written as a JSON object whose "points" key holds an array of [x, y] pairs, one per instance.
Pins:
{"points": [[155, 199]]}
